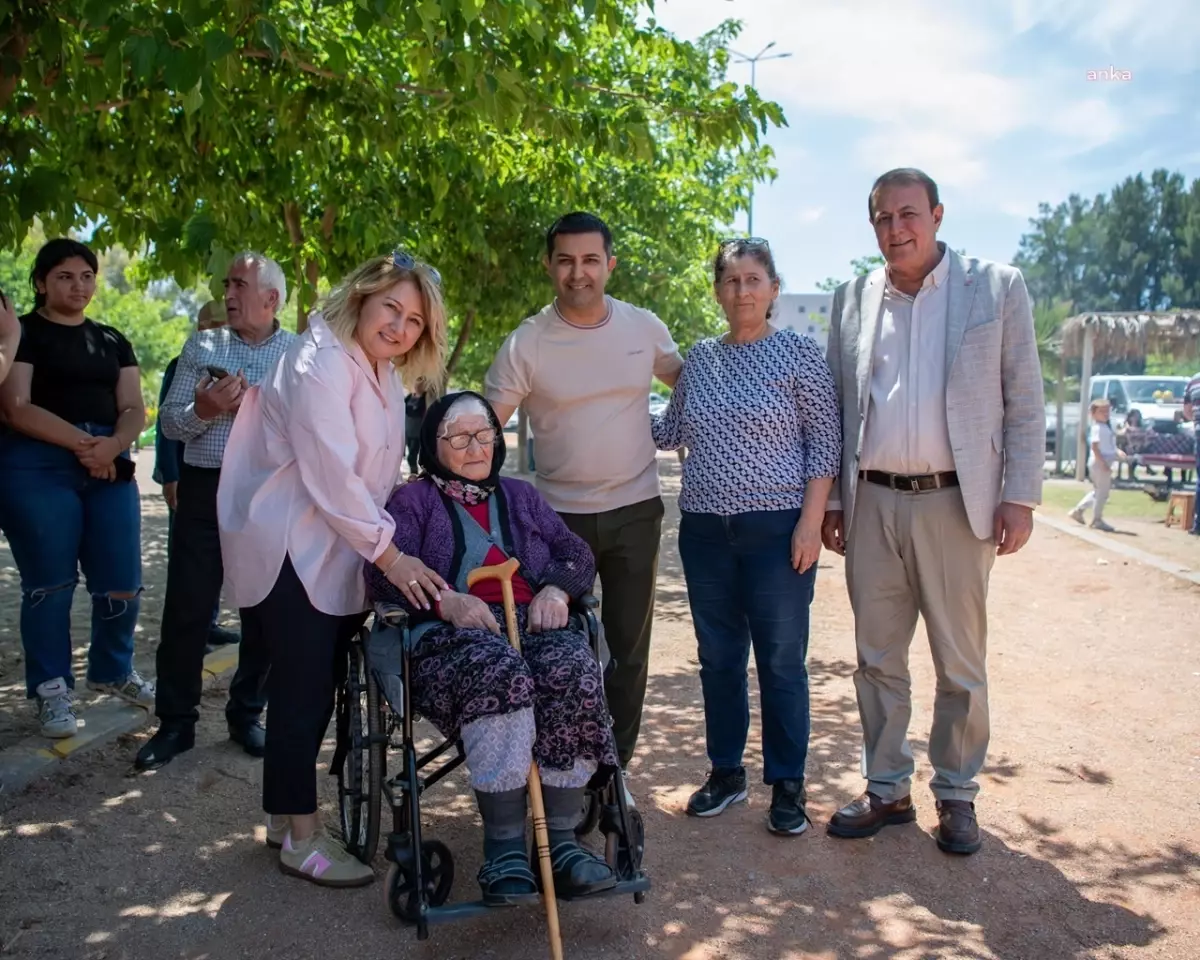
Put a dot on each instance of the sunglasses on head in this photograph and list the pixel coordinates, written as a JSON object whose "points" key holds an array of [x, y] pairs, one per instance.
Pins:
{"points": [[406, 261], [744, 242]]}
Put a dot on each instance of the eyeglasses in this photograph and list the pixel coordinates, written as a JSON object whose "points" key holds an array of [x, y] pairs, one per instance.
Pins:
{"points": [[460, 441], [406, 261]]}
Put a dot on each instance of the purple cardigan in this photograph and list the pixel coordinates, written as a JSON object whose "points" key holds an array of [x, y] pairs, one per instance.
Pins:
{"points": [[548, 551]]}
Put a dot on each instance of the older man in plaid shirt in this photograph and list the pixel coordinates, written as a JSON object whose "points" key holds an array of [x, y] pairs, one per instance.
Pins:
{"points": [[215, 369]]}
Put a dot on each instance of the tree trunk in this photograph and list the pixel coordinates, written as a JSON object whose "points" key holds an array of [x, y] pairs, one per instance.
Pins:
{"points": [[306, 296], [291, 217], [464, 334]]}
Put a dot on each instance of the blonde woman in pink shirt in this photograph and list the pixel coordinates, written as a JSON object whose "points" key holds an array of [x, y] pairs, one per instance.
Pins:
{"points": [[314, 454]]}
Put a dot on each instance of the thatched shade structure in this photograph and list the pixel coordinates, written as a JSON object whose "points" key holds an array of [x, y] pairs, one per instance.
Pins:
{"points": [[1131, 336], [1119, 336]]}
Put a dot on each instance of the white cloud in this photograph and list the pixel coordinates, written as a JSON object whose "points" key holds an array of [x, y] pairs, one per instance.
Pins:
{"points": [[935, 84], [1166, 30]]}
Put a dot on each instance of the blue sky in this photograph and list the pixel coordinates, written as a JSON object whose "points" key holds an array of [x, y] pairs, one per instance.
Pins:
{"points": [[991, 98]]}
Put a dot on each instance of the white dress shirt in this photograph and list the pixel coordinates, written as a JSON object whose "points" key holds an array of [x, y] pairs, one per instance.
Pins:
{"points": [[906, 430]]}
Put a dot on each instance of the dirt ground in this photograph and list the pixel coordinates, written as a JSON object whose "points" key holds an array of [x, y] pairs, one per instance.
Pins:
{"points": [[1090, 811]]}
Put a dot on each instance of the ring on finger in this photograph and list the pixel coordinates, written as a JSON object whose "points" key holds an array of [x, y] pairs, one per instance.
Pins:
{"points": [[412, 583]]}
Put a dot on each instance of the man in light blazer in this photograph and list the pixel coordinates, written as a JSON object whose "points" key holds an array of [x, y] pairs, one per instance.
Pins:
{"points": [[943, 420]]}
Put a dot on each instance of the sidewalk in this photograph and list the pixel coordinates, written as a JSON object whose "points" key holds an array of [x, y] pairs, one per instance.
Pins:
{"points": [[33, 757], [1108, 542]]}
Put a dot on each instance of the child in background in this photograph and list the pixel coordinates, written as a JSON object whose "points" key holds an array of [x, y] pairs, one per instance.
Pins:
{"points": [[1102, 454]]}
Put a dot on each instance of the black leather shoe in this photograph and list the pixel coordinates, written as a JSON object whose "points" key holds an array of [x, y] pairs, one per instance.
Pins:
{"points": [[958, 830], [252, 737], [168, 742], [219, 637]]}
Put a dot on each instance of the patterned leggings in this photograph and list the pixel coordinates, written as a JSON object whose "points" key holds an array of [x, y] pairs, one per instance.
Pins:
{"points": [[546, 702]]}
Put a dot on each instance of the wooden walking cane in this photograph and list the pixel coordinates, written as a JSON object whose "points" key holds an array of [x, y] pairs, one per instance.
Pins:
{"points": [[504, 573]]}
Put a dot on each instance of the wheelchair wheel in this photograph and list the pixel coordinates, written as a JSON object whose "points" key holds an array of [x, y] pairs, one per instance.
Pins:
{"points": [[361, 775], [437, 878], [631, 847]]}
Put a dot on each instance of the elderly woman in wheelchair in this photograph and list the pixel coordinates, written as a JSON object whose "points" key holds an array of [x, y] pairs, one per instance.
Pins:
{"points": [[545, 703]]}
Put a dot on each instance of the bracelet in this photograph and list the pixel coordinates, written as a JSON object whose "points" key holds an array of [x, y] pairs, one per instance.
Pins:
{"points": [[393, 563]]}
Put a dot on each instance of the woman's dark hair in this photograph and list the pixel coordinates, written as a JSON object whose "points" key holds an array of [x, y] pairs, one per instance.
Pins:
{"points": [[579, 222], [752, 247], [50, 256]]}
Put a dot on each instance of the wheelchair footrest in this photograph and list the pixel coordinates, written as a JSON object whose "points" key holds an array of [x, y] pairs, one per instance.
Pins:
{"points": [[476, 908]]}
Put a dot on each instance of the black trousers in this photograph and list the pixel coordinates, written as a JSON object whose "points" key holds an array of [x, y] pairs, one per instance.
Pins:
{"points": [[308, 655], [625, 544], [194, 576]]}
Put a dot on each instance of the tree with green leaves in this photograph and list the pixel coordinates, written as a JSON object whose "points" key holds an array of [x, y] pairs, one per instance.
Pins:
{"points": [[1136, 248], [325, 132], [860, 266]]}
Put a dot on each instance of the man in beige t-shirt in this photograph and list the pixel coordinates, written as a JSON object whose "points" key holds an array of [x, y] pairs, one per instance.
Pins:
{"points": [[583, 367]]}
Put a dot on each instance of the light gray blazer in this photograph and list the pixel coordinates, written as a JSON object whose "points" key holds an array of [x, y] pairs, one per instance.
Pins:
{"points": [[995, 405]]}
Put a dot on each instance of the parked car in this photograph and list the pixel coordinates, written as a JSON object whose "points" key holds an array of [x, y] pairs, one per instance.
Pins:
{"points": [[1158, 399], [657, 404]]}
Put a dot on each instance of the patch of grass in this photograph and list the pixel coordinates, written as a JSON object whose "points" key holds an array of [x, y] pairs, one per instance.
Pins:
{"points": [[1059, 496]]}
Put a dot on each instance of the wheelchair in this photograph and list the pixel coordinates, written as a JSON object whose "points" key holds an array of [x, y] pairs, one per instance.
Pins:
{"points": [[375, 718]]}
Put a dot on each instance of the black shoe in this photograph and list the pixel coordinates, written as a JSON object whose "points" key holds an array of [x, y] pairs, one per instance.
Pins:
{"points": [[577, 871], [220, 637], [958, 830], [507, 880], [788, 817], [251, 736], [723, 787], [169, 740]]}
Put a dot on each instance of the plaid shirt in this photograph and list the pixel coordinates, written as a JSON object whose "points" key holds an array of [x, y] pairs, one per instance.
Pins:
{"points": [[205, 439]]}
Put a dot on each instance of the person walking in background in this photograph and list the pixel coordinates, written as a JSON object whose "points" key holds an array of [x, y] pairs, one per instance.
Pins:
{"points": [[1191, 413], [414, 412], [943, 419], [68, 498], [313, 456], [582, 367], [168, 462], [10, 335], [1102, 454], [758, 411], [215, 369]]}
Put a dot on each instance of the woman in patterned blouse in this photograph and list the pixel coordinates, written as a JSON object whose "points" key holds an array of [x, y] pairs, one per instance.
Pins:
{"points": [[758, 412]]}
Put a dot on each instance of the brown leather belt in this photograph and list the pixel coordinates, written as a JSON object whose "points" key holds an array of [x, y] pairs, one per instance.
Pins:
{"points": [[921, 483]]}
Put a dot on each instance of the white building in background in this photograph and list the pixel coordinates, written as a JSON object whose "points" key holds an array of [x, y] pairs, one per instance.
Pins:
{"points": [[806, 313]]}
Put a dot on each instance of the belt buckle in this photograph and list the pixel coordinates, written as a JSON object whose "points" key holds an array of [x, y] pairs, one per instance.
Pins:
{"points": [[915, 483]]}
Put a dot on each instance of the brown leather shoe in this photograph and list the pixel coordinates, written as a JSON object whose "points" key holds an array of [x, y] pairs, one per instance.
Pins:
{"points": [[958, 830], [867, 815]]}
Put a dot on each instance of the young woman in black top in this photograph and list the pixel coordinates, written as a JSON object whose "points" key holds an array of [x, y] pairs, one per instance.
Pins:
{"points": [[73, 404]]}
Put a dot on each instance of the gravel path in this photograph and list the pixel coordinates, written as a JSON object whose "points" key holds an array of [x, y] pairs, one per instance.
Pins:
{"points": [[1090, 810]]}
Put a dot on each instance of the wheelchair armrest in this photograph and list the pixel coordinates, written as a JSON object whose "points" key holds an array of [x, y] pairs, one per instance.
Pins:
{"points": [[391, 614], [587, 603]]}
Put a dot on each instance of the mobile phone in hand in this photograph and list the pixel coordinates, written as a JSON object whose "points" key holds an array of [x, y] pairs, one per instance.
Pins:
{"points": [[126, 469], [217, 373]]}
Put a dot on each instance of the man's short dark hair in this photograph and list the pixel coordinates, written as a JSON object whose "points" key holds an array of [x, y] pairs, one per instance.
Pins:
{"points": [[579, 222], [903, 177]]}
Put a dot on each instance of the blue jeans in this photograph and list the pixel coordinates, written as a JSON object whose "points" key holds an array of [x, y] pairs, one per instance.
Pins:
{"points": [[744, 592], [59, 519], [1196, 515]]}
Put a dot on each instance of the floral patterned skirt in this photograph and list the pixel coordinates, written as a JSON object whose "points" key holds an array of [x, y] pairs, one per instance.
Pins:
{"points": [[462, 675]]}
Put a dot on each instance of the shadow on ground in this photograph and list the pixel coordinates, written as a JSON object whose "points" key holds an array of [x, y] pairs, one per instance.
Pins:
{"points": [[101, 864]]}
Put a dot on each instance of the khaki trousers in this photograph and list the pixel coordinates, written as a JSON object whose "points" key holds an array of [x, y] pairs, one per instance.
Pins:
{"points": [[910, 554]]}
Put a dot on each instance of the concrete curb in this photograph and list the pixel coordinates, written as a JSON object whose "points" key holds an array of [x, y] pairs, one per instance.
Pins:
{"points": [[34, 757], [1106, 542]]}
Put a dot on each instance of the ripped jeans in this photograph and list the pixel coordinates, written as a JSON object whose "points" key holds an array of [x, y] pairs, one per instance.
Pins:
{"points": [[59, 519]]}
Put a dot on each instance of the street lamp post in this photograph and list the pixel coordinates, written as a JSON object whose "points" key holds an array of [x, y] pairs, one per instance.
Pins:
{"points": [[753, 61]]}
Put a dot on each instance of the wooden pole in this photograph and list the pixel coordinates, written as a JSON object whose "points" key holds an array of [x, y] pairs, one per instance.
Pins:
{"points": [[1060, 397], [504, 572], [1085, 392]]}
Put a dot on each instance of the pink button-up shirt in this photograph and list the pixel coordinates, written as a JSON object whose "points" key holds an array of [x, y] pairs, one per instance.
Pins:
{"points": [[314, 455]]}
